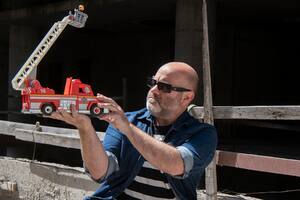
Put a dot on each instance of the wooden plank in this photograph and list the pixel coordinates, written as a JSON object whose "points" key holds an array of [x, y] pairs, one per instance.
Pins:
{"points": [[260, 163], [8, 128], [210, 171], [251, 112], [62, 140], [62, 137], [201, 194]]}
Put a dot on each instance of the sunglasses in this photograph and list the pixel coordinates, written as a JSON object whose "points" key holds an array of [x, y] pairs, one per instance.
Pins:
{"points": [[165, 87]]}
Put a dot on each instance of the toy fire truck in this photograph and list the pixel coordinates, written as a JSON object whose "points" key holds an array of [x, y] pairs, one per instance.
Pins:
{"points": [[39, 100]]}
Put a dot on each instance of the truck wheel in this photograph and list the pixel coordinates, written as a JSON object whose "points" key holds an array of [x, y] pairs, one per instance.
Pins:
{"points": [[47, 109], [96, 110]]}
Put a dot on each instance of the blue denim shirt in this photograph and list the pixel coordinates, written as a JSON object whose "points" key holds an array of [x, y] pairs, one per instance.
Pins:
{"points": [[195, 141]]}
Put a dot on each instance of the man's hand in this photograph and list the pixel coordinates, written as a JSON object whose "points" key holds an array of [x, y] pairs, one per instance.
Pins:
{"points": [[93, 153], [116, 115], [78, 120]]}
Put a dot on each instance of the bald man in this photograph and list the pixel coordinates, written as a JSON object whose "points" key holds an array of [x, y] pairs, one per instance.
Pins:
{"points": [[158, 152]]}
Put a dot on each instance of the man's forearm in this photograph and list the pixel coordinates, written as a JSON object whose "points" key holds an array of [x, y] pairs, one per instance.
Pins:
{"points": [[163, 156], [93, 153]]}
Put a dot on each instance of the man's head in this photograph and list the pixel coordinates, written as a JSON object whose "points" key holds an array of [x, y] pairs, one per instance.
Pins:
{"points": [[172, 89]]}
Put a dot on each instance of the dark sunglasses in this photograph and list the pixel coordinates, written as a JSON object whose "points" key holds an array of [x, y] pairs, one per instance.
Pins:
{"points": [[164, 87]]}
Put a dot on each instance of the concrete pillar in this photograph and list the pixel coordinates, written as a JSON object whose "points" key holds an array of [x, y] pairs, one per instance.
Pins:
{"points": [[3, 85], [3, 70], [188, 36], [22, 41]]}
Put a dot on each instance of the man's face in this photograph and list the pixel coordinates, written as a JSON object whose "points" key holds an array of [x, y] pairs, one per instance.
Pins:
{"points": [[162, 104]]}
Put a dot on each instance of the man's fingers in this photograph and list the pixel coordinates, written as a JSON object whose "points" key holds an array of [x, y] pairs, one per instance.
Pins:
{"points": [[73, 118], [73, 110], [67, 117], [105, 99], [55, 115], [65, 114], [108, 103], [109, 106], [109, 117], [104, 117]]}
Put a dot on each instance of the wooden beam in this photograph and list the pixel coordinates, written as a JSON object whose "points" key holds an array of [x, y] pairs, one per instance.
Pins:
{"points": [[260, 163], [251, 112], [8, 128], [210, 171], [69, 138], [62, 140], [62, 137]]}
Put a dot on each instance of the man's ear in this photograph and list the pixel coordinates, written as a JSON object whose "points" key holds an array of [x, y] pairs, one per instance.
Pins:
{"points": [[188, 97]]}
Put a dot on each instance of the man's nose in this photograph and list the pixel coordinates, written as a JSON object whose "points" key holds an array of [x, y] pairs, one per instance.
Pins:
{"points": [[154, 89]]}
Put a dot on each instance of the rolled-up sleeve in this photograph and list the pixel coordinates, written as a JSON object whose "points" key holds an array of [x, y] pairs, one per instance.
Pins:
{"points": [[198, 151], [188, 160], [113, 166], [111, 143]]}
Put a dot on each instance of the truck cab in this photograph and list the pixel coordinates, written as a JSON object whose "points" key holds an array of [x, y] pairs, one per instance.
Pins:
{"points": [[76, 87]]}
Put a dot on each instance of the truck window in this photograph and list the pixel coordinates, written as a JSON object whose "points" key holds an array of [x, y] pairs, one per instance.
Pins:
{"points": [[81, 90], [85, 90]]}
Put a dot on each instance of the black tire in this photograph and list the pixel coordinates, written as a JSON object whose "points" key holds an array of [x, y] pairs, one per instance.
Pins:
{"points": [[47, 109], [95, 110]]}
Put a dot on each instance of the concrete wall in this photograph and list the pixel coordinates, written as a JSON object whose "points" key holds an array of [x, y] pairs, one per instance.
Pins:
{"points": [[25, 179]]}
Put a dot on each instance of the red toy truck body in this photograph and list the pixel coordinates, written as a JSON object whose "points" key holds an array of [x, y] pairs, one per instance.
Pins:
{"points": [[39, 100]]}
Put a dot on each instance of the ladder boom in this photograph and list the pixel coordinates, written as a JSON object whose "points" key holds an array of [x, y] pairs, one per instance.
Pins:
{"points": [[77, 20]]}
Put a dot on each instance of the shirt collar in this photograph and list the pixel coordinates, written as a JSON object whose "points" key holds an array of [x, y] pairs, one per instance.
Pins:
{"points": [[146, 115], [180, 121]]}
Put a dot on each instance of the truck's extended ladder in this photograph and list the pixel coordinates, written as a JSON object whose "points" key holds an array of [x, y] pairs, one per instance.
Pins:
{"points": [[77, 20]]}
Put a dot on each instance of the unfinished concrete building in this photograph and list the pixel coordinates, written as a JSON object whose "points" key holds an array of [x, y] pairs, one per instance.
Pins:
{"points": [[253, 46]]}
